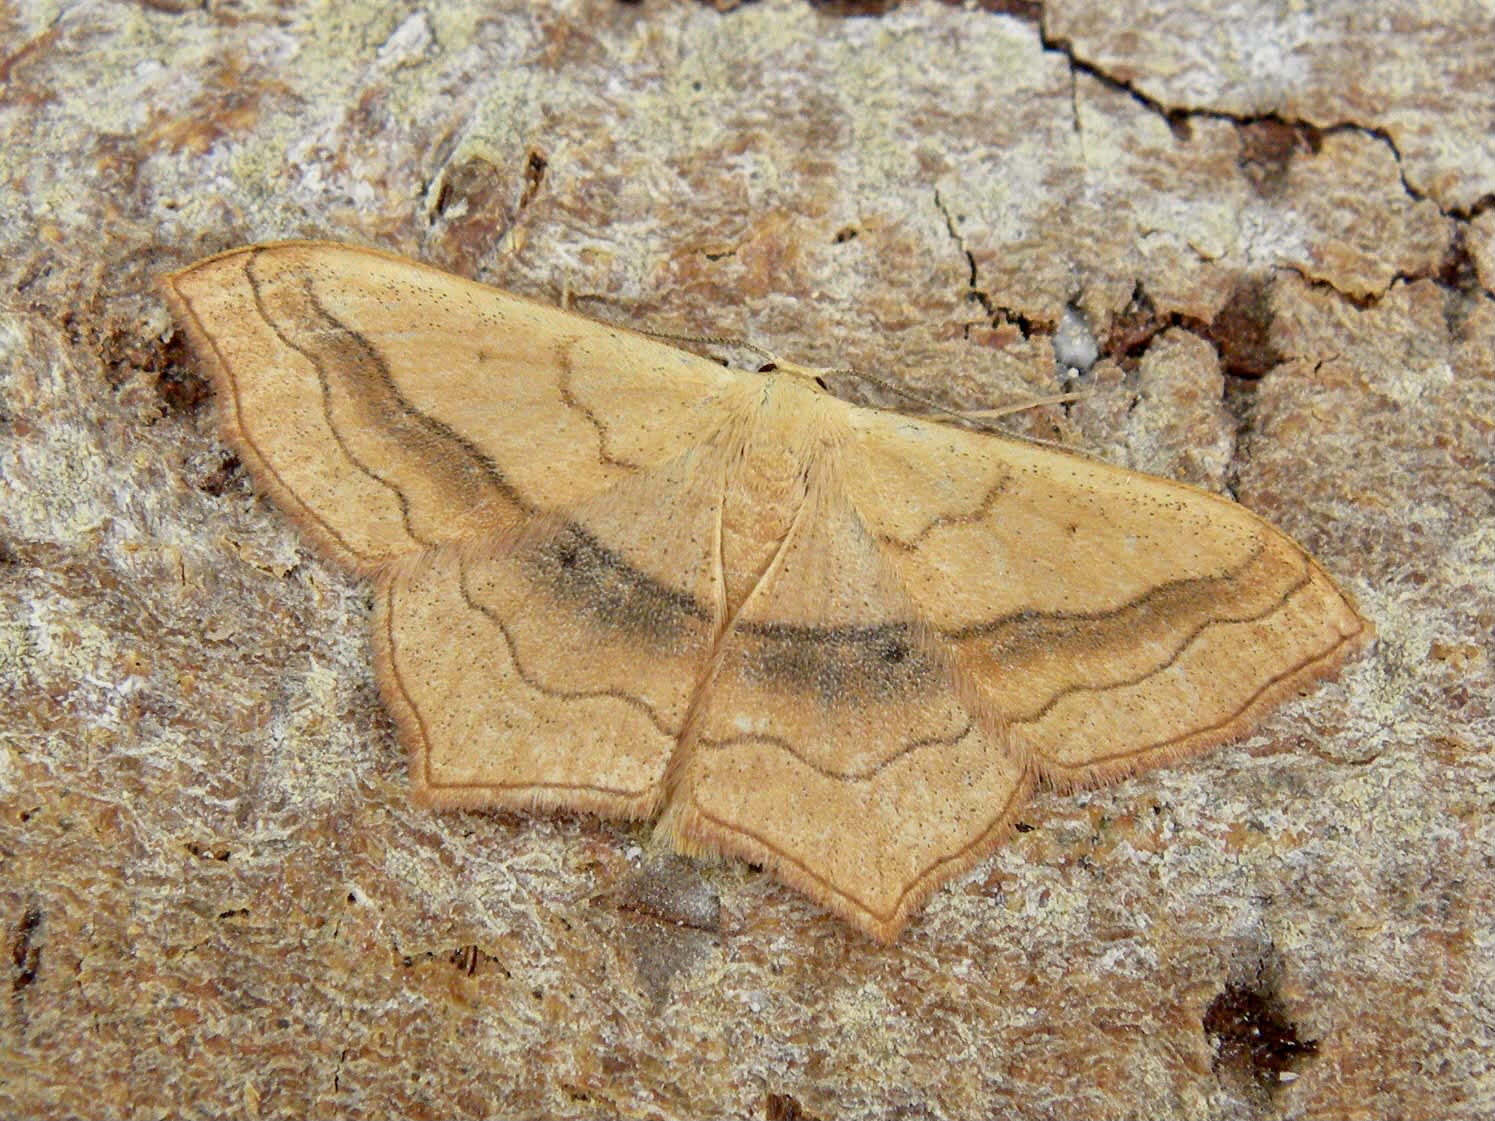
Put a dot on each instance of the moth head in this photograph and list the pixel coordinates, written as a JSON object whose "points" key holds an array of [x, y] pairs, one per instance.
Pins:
{"points": [[813, 374]]}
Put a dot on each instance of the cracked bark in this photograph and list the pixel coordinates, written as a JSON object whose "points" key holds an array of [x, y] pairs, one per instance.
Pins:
{"points": [[1291, 301]]}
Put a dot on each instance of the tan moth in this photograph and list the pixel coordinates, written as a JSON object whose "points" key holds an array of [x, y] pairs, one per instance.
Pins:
{"points": [[616, 577]]}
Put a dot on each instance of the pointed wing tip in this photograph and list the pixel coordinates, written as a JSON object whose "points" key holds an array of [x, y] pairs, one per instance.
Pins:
{"points": [[693, 834], [696, 836], [1065, 779], [1367, 633], [170, 283]]}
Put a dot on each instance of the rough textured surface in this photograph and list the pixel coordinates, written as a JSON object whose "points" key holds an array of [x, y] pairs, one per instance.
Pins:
{"points": [[1416, 74], [214, 895]]}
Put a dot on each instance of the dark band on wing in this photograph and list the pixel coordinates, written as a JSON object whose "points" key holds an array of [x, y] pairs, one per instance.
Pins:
{"points": [[878, 662], [260, 465], [532, 679], [1165, 621], [370, 418], [1162, 604], [577, 571]]}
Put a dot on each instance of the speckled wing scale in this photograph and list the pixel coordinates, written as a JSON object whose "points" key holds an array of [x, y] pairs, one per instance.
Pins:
{"points": [[616, 577]]}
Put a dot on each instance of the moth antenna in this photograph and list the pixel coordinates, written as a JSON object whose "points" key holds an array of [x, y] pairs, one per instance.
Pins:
{"points": [[1030, 403], [733, 341]]}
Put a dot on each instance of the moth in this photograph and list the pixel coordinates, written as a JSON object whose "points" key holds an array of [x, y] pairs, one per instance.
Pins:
{"points": [[615, 577]]}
